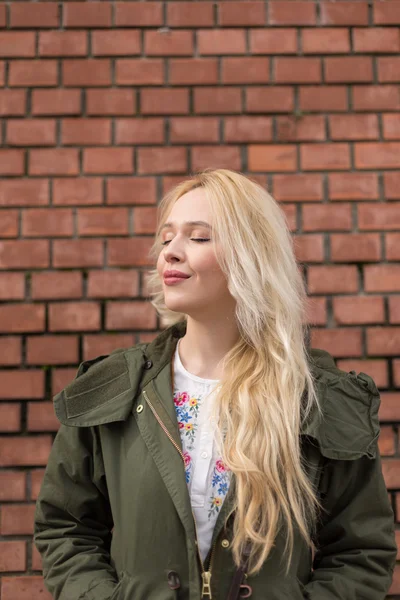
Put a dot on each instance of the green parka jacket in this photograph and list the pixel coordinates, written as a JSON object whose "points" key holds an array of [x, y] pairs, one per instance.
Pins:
{"points": [[114, 521]]}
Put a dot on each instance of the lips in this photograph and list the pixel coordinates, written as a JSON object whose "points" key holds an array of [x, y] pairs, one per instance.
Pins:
{"points": [[175, 275]]}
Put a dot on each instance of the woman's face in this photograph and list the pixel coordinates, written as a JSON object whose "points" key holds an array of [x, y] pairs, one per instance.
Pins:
{"points": [[188, 249]]}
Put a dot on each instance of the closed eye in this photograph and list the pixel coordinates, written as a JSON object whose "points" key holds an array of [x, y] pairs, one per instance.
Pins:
{"points": [[192, 239]]}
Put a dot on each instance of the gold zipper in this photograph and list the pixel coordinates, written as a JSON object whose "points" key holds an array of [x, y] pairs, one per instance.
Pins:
{"points": [[205, 575]]}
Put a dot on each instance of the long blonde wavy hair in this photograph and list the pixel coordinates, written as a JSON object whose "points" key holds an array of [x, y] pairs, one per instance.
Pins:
{"points": [[261, 402]]}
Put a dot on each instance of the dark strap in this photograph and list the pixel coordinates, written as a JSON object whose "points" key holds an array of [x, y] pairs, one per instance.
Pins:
{"points": [[238, 589]]}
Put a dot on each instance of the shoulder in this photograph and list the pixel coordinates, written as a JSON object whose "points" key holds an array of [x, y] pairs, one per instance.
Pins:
{"points": [[347, 426], [102, 390]]}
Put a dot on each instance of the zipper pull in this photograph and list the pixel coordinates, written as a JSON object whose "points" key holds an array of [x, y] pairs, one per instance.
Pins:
{"points": [[206, 589]]}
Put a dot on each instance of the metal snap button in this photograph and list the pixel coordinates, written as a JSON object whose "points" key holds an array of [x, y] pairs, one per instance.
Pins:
{"points": [[148, 364], [139, 408], [173, 580], [225, 543]]}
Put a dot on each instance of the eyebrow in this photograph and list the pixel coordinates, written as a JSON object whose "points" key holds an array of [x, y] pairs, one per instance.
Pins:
{"points": [[191, 223]]}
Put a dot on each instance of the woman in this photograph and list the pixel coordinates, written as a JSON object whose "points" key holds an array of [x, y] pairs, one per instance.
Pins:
{"points": [[224, 458]]}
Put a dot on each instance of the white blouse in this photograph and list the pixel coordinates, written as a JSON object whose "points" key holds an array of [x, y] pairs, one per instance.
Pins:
{"points": [[206, 475]]}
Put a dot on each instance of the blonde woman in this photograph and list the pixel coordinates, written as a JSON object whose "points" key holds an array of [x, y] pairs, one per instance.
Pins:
{"points": [[225, 459]]}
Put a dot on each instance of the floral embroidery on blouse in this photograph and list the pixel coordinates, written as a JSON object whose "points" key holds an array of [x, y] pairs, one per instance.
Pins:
{"points": [[187, 410], [220, 485]]}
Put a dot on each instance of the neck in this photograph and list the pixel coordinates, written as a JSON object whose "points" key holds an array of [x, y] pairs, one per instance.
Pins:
{"points": [[203, 347]]}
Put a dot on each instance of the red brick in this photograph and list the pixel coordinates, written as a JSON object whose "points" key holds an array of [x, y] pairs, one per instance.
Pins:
{"points": [[393, 246], [353, 186], [63, 43], [3, 16], [354, 127], [60, 378], [38, 73], [321, 157], [383, 341], [394, 309], [56, 102], [108, 160], [12, 286], [10, 350], [272, 41], [392, 185], [36, 482], [376, 98], [338, 342], [194, 129], [343, 12], [114, 102], [86, 72], [386, 441], [298, 187], [9, 223], [162, 160], [309, 248], [52, 350], [272, 158], [17, 43], [77, 253], [165, 101], [54, 161], [245, 70], [12, 486], [10, 417], [86, 132], [247, 129], [74, 316], [24, 254], [102, 221], [12, 162], [390, 406], [376, 39], [276, 99], [382, 278], [326, 41], [53, 285], [347, 69], [129, 252], [321, 98], [221, 157], [24, 451], [24, 588], [283, 12], [130, 315], [193, 71], [144, 220], [116, 42], [376, 368], [290, 213], [357, 247], [327, 217], [388, 69], [38, 14], [168, 43], [379, 216], [23, 192], [221, 41], [216, 100], [31, 132], [190, 14], [113, 284], [140, 131], [95, 345], [391, 126], [386, 13], [21, 385], [297, 70], [12, 556], [41, 417], [138, 14], [87, 14], [328, 279], [383, 155], [307, 128], [242, 14], [12, 103], [21, 318], [77, 191], [131, 190], [358, 310]]}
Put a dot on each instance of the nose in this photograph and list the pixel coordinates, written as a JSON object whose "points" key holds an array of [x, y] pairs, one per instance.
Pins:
{"points": [[174, 252]]}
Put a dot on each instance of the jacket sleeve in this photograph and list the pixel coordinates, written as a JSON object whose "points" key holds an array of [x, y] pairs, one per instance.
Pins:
{"points": [[73, 520], [356, 549]]}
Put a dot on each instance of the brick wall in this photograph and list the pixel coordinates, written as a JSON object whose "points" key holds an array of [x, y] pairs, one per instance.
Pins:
{"points": [[104, 106]]}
